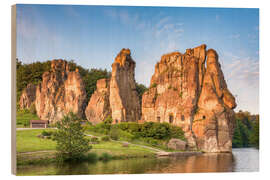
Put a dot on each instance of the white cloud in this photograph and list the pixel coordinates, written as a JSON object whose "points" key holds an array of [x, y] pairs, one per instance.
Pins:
{"points": [[242, 77]]}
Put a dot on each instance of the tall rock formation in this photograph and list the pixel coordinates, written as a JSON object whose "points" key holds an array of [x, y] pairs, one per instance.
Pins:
{"points": [[98, 108], [28, 96], [117, 96], [185, 93], [60, 92], [124, 100]]}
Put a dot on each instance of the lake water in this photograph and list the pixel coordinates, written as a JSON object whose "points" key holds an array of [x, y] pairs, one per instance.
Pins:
{"points": [[241, 160]]}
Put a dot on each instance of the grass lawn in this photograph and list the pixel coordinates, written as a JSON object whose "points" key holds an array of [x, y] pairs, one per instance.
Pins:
{"points": [[27, 141], [23, 118], [118, 151]]}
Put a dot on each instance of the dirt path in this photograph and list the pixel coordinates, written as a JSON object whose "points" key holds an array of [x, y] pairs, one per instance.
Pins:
{"points": [[33, 152]]}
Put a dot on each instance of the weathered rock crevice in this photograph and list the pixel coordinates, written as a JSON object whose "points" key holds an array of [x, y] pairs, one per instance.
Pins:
{"points": [[201, 103], [59, 93], [121, 100]]}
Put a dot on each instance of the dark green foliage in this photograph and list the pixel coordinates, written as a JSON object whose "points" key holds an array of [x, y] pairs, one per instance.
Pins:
{"points": [[255, 135], [140, 88], [246, 132], [151, 141], [105, 138], [46, 133], [70, 138], [152, 130], [237, 136], [105, 157], [90, 79], [29, 73]]}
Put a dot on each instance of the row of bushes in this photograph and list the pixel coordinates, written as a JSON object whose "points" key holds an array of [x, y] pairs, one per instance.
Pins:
{"points": [[151, 132]]}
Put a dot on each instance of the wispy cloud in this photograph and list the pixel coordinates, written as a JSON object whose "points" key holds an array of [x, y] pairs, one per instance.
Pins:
{"points": [[234, 36], [242, 76]]}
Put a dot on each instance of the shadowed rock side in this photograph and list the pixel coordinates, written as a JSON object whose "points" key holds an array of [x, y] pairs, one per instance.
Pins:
{"points": [[185, 93], [99, 105], [60, 92], [124, 100], [28, 96]]}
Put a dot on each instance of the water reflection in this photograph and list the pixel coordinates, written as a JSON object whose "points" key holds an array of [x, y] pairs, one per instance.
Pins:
{"points": [[240, 160]]}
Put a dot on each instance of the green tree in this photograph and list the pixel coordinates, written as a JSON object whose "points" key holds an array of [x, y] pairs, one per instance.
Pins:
{"points": [[140, 88], [237, 139], [70, 138], [255, 135]]}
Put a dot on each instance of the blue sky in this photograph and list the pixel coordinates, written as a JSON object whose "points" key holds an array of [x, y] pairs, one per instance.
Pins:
{"points": [[93, 35]]}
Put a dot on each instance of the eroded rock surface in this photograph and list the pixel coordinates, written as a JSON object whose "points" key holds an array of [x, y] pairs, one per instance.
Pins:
{"points": [[28, 96], [99, 105], [187, 93], [124, 100], [116, 97], [60, 92]]}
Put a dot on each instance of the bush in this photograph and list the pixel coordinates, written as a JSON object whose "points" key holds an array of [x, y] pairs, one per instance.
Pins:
{"points": [[94, 140], [92, 157], [46, 133], [105, 138], [105, 157], [125, 135], [152, 141], [114, 133]]}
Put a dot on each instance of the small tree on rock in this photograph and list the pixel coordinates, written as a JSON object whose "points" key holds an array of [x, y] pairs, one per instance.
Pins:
{"points": [[70, 138]]}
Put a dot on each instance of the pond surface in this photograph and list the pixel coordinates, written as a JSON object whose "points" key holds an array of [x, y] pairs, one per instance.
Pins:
{"points": [[241, 160]]}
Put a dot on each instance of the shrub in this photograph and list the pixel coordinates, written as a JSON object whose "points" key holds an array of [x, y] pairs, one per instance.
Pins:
{"points": [[46, 133], [105, 138], [152, 141], [105, 157], [92, 157], [108, 120], [177, 132], [94, 140], [114, 133]]}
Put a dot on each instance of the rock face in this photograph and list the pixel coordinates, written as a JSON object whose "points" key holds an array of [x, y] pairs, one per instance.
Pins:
{"points": [[186, 93], [60, 92], [99, 105], [177, 144], [124, 100], [28, 96], [117, 96]]}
